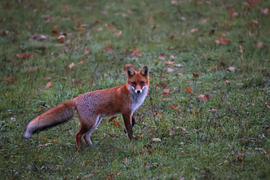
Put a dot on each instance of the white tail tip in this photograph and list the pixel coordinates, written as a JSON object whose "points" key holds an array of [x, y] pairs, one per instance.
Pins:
{"points": [[27, 134]]}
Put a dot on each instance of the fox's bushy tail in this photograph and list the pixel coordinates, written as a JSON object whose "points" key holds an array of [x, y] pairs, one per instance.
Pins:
{"points": [[53, 117]]}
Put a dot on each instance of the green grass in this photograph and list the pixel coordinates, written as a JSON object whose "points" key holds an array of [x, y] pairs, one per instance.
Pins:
{"points": [[223, 144]]}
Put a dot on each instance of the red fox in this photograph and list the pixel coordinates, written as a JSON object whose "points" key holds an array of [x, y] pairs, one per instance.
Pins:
{"points": [[93, 106]]}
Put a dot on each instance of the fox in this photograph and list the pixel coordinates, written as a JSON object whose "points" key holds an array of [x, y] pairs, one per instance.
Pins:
{"points": [[92, 106]]}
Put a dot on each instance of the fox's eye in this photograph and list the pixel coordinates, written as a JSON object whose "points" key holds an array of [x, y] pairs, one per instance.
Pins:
{"points": [[134, 83], [142, 83]]}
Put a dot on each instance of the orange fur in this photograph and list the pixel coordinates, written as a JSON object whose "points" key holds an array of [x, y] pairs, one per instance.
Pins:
{"points": [[92, 106]]}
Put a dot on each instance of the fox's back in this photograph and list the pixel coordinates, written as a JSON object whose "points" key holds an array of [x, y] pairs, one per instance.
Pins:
{"points": [[106, 102]]}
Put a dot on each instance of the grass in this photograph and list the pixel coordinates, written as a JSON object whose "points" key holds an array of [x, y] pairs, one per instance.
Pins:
{"points": [[229, 143]]}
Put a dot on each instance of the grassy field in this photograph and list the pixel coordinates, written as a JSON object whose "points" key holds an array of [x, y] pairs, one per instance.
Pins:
{"points": [[207, 112]]}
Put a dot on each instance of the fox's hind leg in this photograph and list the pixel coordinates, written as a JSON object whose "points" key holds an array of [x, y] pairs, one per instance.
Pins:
{"points": [[88, 134], [84, 129]]}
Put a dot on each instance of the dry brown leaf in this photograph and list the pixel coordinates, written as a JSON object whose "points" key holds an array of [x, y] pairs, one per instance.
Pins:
{"points": [[48, 85]]}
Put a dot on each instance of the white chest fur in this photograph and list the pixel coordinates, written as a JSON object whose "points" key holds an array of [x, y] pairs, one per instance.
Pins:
{"points": [[137, 99]]}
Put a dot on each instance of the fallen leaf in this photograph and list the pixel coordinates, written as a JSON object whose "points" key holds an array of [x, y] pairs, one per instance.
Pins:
{"points": [[171, 132], [193, 30], [82, 61], [166, 92], [213, 68], [163, 84], [43, 145], [174, 2], [212, 110], [99, 29], [33, 68], [108, 48], [250, 34], [169, 62], [159, 114], [221, 35], [231, 68], [48, 85], [178, 65], [24, 56], [87, 51], [183, 128], [10, 79], [203, 97], [233, 13], [127, 66], [196, 75], [80, 28], [222, 63], [136, 49], [239, 159], [241, 50], [79, 21], [182, 152], [61, 41], [261, 149], [189, 89], [265, 11], [117, 33], [61, 36], [50, 139], [116, 123], [206, 97], [242, 56], [112, 118], [175, 107], [72, 65], [227, 81], [223, 41], [135, 53], [54, 32], [206, 20], [171, 57], [162, 57], [87, 176], [156, 139], [170, 70], [259, 44], [65, 8], [251, 3]]}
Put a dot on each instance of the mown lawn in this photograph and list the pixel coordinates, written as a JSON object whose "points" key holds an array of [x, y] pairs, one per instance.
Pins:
{"points": [[207, 112]]}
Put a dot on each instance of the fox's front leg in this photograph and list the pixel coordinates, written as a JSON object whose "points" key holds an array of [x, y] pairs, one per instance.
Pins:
{"points": [[133, 123], [128, 127]]}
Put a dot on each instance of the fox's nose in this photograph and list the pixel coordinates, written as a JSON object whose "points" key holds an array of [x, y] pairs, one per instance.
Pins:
{"points": [[138, 91]]}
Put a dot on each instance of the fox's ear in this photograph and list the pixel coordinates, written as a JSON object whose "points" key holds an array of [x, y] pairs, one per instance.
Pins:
{"points": [[144, 71], [130, 72]]}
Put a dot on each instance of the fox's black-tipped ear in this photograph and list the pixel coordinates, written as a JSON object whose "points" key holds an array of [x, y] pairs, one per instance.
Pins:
{"points": [[130, 72], [144, 71]]}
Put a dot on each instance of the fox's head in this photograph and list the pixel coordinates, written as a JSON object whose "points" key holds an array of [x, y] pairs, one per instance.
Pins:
{"points": [[137, 81]]}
